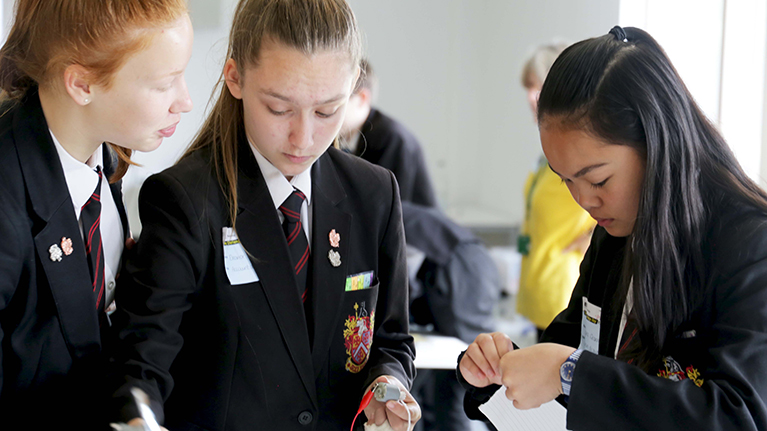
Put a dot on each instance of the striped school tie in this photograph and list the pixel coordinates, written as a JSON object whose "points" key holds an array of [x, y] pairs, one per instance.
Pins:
{"points": [[297, 242], [90, 216]]}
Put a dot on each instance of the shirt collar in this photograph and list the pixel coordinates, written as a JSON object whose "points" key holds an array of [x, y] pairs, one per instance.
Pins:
{"points": [[81, 177], [279, 186]]}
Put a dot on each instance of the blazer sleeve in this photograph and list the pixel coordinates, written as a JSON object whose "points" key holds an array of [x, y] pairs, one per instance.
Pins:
{"points": [[732, 340], [393, 348], [158, 284], [12, 267]]}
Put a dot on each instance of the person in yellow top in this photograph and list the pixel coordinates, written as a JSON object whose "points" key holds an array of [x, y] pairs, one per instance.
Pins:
{"points": [[556, 230]]}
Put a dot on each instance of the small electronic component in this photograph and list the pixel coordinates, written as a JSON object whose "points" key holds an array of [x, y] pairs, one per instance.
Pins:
{"points": [[386, 392]]}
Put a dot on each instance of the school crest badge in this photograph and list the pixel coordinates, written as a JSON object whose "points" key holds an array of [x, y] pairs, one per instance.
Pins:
{"points": [[674, 372], [358, 337]]}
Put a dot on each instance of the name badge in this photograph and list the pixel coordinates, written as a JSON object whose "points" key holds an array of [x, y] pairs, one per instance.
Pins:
{"points": [[239, 270], [592, 316], [359, 281]]}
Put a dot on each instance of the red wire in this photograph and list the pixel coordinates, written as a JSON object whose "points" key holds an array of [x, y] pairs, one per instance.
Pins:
{"points": [[365, 402]]}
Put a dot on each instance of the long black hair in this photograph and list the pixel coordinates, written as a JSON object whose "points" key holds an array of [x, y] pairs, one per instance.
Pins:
{"points": [[623, 89]]}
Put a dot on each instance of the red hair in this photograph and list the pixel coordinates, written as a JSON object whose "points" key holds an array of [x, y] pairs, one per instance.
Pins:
{"points": [[50, 35]]}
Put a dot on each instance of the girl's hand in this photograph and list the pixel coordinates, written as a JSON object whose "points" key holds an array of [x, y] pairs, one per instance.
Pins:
{"points": [[481, 364], [531, 375], [396, 413]]}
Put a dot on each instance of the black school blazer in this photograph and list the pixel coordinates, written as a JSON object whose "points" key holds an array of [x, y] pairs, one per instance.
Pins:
{"points": [[713, 374], [386, 142], [50, 341], [214, 356]]}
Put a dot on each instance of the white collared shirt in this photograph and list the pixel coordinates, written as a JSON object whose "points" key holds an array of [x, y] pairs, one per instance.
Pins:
{"points": [[81, 181], [280, 189], [627, 306]]}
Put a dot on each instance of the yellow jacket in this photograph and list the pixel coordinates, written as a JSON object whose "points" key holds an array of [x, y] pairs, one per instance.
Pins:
{"points": [[553, 221]]}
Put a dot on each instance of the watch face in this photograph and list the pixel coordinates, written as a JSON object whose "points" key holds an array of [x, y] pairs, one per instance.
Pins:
{"points": [[566, 371]]}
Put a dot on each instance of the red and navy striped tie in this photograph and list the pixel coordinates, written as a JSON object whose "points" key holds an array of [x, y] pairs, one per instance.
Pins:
{"points": [[90, 215], [297, 242]]}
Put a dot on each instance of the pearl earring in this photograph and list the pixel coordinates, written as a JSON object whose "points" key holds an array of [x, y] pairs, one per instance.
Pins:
{"points": [[86, 100]]}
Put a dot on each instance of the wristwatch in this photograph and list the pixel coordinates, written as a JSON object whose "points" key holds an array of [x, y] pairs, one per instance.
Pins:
{"points": [[566, 371]]}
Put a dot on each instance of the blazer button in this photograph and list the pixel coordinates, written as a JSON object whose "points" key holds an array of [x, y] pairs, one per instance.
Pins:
{"points": [[305, 418]]}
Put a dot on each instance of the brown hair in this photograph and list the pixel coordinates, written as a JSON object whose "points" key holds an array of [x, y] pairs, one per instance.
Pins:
{"points": [[48, 36], [306, 25]]}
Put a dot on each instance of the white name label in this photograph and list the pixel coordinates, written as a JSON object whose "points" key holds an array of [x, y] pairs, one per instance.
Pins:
{"points": [[592, 316], [239, 270]]}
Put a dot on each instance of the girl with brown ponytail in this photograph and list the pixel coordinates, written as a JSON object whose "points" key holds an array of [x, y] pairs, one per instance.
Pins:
{"points": [[269, 287]]}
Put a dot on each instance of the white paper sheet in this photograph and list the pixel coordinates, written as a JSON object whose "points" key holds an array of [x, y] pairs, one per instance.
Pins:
{"points": [[502, 413]]}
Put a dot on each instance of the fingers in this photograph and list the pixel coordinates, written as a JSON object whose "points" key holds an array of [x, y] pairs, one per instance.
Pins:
{"points": [[531, 375], [520, 403], [471, 372], [380, 414], [376, 413], [503, 343], [482, 360], [397, 413]]}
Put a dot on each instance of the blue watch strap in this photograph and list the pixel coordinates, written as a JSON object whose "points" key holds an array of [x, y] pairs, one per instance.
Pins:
{"points": [[567, 370]]}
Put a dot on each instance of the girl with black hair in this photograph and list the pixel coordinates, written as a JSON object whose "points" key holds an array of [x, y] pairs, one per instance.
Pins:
{"points": [[667, 325]]}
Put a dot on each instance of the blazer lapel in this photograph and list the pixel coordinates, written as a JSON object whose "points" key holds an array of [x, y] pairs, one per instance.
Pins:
{"points": [[258, 228], [328, 282], [69, 279]]}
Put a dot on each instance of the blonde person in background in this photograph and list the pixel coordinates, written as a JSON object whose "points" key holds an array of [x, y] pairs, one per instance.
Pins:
{"points": [[556, 231]]}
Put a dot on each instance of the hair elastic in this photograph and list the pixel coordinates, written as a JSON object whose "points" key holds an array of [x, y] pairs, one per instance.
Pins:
{"points": [[619, 33]]}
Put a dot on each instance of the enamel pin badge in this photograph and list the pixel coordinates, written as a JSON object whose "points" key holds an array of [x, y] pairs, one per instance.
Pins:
{"points": [[335, 242], [55, 252], [335, 258], [335, 238], [66, 246]]}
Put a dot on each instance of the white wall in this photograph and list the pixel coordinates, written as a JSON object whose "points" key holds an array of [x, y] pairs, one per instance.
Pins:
{"points": [[450, 70]]}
